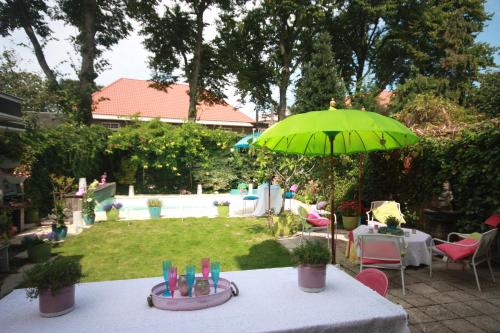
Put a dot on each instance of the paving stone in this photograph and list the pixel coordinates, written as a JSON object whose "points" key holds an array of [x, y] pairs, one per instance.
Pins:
{"points": [[442, 286], [440, 298], [495, 301], [417, 316], [461, 309], [434, 327], [486, 323], [485, 307], [461, 326], [397, 300], [421, 288], [460, 295], [438, 312], [417, 300], [398, 292], [415, 328]]}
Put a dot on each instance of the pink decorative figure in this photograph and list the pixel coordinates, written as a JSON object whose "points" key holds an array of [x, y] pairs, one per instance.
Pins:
{"points": [[103, 179], [205, 267], [294, 188], [374, 279]]}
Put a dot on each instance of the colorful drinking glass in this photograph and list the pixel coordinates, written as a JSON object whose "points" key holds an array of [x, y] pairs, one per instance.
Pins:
{"points": [[215, 271], [172, 279], [166, 264], [190, 278], [205, 267]]}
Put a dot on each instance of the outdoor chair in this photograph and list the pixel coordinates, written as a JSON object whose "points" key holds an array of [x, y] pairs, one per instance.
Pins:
{"points": [[374, 279], [380, 210], [252, 198], [313, 222], [291, 194], [469, 250], [383, 251]]}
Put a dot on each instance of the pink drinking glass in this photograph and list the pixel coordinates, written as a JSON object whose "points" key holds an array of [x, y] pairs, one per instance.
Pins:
{"points": [[205, 267], [172, 279]]}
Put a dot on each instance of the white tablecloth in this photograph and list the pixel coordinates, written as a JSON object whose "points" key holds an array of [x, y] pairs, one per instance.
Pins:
{"points": [[416, 253], [263, 202], [269, 301]]}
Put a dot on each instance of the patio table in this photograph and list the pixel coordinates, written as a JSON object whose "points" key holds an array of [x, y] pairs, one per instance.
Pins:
{"points": [[416, 253], [269, 301]]}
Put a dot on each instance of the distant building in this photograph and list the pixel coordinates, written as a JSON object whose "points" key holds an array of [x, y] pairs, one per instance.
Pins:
{"points": [[124, 99], [11, 118]]}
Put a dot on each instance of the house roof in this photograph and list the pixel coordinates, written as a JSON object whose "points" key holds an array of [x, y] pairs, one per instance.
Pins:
{"points": [[129, 97]]}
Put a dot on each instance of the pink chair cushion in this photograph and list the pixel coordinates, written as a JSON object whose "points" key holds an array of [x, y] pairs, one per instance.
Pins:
{"points": [[374, 279], [316, 220], [459, 252], [386, 250]]}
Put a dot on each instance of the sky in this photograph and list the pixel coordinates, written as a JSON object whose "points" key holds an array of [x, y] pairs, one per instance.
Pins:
{"points": [[129, 58]]}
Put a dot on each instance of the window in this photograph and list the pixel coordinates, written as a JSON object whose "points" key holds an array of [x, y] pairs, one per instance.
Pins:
{"points": [[111, 125]]}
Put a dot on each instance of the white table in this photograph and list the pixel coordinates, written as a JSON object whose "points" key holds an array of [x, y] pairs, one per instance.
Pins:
{"points": [[416, 253], [269, 301], [263, 202]]}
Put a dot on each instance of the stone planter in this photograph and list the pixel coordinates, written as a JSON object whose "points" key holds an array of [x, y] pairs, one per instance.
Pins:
{"points": [[312, 278], [39, 253], [57, 305], [154, 212], [350, 222], [89, 219], [223, 211]]}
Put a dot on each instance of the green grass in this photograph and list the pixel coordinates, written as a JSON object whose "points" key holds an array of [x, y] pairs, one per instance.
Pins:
{"points": [[116, 250]]}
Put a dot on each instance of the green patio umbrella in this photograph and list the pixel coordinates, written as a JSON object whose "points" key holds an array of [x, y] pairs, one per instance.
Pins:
{"points": [[334, 132]]}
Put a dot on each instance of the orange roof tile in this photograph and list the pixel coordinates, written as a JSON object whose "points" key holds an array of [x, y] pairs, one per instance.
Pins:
{"points": [[129, 97]]}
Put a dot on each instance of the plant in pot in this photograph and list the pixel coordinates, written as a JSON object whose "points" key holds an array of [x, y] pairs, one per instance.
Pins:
{"points": [[311, 259], [61, 186], [350, 211], [222, 208], [38, 249], [88, 203], [53, 283], [154, 207], [113, 211], [59, 229]]}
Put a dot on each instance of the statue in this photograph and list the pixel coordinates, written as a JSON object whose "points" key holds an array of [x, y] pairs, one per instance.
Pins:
{"points": [[103, 179], [332, 104], [446, 197]]}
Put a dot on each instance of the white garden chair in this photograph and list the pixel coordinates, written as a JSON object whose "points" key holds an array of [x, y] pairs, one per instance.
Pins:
{"points": [[376, 204], [383, 251], [309, 226], [467, 250]]}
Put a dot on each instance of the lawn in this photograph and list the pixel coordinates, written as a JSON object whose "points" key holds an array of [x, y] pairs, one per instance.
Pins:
{"points": [[117, 250]]}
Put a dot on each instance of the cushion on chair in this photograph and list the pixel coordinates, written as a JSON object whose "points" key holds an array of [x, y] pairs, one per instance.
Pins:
{"points": [[456, 252], [250, 197], [389, 208], [316, 220]]}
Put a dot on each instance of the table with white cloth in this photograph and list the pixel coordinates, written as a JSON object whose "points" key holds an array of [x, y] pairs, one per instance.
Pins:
{"points": [[269, 301], [263, 202], [417, 251]]}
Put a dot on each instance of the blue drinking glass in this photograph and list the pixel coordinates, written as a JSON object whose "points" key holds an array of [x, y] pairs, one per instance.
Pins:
{"points": [[215, 272], [166, 265], [190, 278]]}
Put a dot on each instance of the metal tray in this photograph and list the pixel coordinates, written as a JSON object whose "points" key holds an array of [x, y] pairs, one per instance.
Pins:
{"points": [[225, 290]]}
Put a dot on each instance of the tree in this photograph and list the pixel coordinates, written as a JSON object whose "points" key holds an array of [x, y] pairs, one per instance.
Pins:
{"points": [[486, 98], [31, 17], [176, 40], [265, 46], [101, 24], [320, 80]]}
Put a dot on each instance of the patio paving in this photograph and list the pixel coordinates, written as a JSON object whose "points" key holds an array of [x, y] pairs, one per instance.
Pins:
{"points": [[447, 302]]}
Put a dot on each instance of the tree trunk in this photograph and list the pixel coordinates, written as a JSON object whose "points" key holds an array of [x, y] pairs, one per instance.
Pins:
{"points": [[195, 74], [87, 73], [40, 56], [285, 79]]}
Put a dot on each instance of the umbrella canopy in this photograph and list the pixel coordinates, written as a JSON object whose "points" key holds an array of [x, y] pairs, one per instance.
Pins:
{"points": [[247, 140], [352, 131], [334, 132]]}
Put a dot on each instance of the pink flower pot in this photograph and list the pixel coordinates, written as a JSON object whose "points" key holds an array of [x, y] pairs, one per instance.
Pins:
{"points": [[57, 305], [312, 278]]}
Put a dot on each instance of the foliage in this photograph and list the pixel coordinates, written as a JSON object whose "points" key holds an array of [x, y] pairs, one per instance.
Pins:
{"points": [[114, 205], [221, 203], [311, 253], [349, 208], [486, 98], [392, 222], [5, 223], [154, 203], [127, 174], [286, 224], [320, 80], [31, 241], [88, 200], [53, 274]]}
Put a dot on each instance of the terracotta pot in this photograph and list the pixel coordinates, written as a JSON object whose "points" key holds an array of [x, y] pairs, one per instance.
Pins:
{"points": [[12, 231], [312, 278], [350, 222], [57, 305]]}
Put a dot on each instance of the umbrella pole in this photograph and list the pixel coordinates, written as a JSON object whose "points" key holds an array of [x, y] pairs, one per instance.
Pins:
{"points": [[360, 172], [332, 201]]}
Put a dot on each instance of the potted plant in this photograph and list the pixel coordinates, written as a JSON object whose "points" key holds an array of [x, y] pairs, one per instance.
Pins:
{"points": [[53, 283], [61, 186], [113, 211], [37, 248], [59, 229], [222, 208], [311, 259], [88, 203], [350, 211], [154, 207]]}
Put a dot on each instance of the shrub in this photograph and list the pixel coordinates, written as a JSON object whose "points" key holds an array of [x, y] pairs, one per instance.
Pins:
{"points": [[31, 241], [392, 222], [53, 275], [154, 203], [311, 253]]}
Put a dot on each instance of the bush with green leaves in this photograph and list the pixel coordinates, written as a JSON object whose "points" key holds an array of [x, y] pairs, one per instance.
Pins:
{"points": [[311, 253], [52, 275]]}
